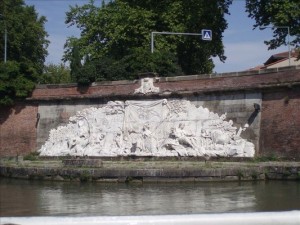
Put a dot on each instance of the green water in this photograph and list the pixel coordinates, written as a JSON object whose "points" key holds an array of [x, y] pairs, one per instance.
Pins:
{"points": [[45, 198]]}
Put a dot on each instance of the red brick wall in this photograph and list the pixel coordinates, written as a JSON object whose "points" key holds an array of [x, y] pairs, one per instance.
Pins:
{"points": [[170, 85], [18, 129], [280, 123]]}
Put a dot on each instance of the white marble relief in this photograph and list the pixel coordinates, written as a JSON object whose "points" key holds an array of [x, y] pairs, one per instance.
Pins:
{"points": [[147, 86], [148, 128]]}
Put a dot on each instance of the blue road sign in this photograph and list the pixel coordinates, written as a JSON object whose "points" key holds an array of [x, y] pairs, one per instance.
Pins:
{"points": [[206, 35]]}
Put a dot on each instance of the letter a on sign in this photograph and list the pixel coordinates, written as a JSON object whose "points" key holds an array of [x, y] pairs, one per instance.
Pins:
{"points": [[206, 35]]}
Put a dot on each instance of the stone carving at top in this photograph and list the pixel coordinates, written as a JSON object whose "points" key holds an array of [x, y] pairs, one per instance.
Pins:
{"points": [[148, 128], [147, 86]]}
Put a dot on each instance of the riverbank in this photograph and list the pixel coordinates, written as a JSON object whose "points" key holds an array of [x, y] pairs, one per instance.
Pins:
{"points": [[106, 170]]}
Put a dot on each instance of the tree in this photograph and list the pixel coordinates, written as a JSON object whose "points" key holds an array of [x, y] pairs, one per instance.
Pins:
{"points": [[26, 49], [119, 30], [277, 13], [26, 35], [55, 74], [139, 61], [82, 74], [75, 63], [17, 81]]}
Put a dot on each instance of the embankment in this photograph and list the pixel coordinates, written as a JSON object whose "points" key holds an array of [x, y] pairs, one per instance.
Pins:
{"points": [[149, 171]]}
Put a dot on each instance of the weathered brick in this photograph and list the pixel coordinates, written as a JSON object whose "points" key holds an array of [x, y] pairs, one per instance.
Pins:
{"points": [[18, 129]]}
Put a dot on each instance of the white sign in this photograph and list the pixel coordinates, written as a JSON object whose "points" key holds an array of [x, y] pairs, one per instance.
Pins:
{"points": [[206, 35]]}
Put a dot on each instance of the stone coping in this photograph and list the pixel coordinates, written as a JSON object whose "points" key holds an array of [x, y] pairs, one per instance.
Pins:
{"points": [[170, 87], [178, 78]]}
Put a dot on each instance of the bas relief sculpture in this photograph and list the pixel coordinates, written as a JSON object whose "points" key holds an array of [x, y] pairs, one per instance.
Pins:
{"points": [[147, 86], [148, 128]]}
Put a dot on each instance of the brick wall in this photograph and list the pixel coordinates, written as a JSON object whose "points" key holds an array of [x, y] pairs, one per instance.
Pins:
{"points": [[168, 86], [280, 123], [18, 129], [275, 130]]}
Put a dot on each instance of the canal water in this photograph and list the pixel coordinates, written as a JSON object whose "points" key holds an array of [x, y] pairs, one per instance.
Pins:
{"points": [[46, 198]]}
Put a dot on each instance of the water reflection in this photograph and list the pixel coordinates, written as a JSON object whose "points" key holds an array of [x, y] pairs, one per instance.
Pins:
{"points": [[23, 198]]}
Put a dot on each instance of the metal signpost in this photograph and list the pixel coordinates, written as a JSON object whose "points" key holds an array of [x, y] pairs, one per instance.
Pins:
{"points": [[206, 36]]}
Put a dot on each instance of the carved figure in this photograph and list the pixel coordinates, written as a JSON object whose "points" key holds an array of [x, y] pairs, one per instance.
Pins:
{"points": [[135, 141], [148, 139], [184, 137], [118, 140], [148, 128], [220, 137], [116, 107], [146, 86]]}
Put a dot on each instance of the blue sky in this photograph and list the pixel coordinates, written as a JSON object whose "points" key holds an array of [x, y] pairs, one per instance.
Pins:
{"points": [[244, 47]]}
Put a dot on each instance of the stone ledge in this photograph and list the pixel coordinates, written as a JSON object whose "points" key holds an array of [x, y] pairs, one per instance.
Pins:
{"points": [[171, 87], [97, 163], [242, 173], [176, 78]]}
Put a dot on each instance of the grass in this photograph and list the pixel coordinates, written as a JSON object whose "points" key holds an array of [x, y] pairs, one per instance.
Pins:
{"points": [[33, 156], [271, 158]]}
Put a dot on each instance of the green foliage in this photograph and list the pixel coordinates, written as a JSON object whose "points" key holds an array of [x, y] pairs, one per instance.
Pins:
{"points": [[75, 64], [82, 74], [254, 175], [26, 49], [268, 158], [85, 176], [277, 13], [55, 74], [162, 62], [240, 174], [26, 36], [33, 156], [139, 61], [108, 69], [116, 37], [17, 81]]}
